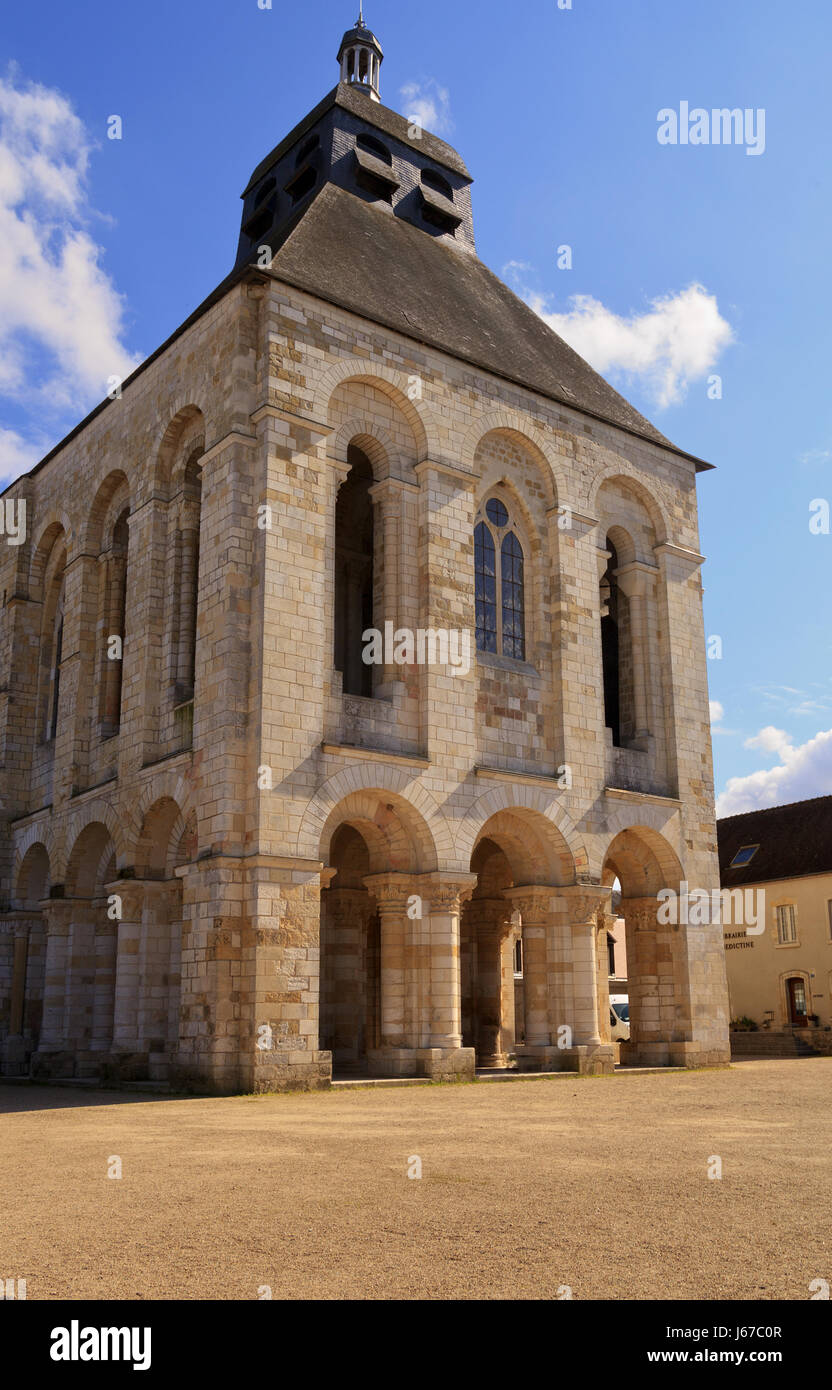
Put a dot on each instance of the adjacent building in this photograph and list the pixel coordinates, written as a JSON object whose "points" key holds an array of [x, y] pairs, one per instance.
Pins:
{"points": [[780, 977]]}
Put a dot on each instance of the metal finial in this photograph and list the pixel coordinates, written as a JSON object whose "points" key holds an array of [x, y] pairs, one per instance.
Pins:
{"points": [[361, 14]]}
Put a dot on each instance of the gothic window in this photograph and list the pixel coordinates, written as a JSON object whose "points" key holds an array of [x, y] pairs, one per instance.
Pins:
{"points": [[500, 583], [354, 547]]}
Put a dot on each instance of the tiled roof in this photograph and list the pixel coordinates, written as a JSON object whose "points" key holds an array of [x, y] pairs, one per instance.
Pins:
{"points": [[794, 841]]}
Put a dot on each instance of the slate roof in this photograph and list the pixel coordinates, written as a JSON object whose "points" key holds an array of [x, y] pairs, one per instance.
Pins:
{"points": [[794, 841], [355, 255], [349, 253], [372, 113]]}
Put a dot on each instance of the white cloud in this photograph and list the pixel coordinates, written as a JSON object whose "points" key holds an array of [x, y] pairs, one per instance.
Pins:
{"points": [[717, 712], [802, 773], [674, 343], [18, 455], [428, 105], [61, 318], [771, 740], [813, 456]]}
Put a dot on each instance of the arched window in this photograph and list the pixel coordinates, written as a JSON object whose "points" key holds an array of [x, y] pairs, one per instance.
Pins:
{"points": [[116, 607], [51, 648], [375, 147], [610, 614], [431, 179], [188, 577], [354, 548], [500, 583], [55, 690]]}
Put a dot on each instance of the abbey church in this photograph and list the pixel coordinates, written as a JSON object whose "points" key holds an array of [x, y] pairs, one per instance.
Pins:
{"points": [[244, 845]]}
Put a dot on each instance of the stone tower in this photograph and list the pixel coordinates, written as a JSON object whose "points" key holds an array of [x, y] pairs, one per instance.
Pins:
{"points": [[350, 659]]}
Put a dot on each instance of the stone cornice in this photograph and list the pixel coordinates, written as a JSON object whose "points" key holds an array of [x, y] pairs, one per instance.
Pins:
{"points": [[233, 437], [373, 755], [460, 475], [276, 412]]}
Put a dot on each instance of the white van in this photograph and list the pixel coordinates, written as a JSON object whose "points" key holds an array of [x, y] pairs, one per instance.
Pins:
{"points": [[620, 1018]]}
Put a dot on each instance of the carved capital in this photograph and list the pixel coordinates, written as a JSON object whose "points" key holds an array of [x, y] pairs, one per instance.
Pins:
{"points": [[640, 913], [583, 901], [446, 892], [534, 903], [391, 891]]}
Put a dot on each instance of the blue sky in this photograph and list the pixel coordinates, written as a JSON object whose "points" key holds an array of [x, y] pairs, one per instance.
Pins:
{"points": [[689, 260]]}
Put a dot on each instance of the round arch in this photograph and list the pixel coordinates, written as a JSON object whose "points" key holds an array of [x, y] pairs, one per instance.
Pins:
{"points": [[33, 835], [621, 472], [524, 433], [383, 787], [392, 383], [111, 498], [32, 877], [187, 418], [534, 813], [659, 830], [89, 861], [163, 831], [54, 532], [169, 786], [96, 812], [376, 443]]}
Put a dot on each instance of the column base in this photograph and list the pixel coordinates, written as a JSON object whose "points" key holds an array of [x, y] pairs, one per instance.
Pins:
{"points": [[673, 1054], [446, 1063], [285, 1071], [46, 1065], [393, 1061], [591, 1059]]}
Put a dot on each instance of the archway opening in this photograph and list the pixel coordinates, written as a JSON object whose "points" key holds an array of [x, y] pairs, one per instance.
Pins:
{"points": [[493, 1016], [647, 933], [350, 987]]}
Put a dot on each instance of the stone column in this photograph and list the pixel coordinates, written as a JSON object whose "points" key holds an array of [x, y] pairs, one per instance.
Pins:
{"points": [[126, 1047], [345, 917], [576, 651], [659, 1025], [279, 983], [605, 923], [391, 892], [588, 1052], [80, 984], [636, 582], [53, 1057], [490, 920], [441, 1054], [535, 907], [106, 941], [14, 949], [386, 501], [154, 975]]}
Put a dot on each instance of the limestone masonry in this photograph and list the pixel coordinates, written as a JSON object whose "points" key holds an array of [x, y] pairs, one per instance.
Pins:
{"points": [[232, 852]]}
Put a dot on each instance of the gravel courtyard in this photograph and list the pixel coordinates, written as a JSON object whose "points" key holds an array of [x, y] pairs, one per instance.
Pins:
{"points": [[598, 1184]]}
